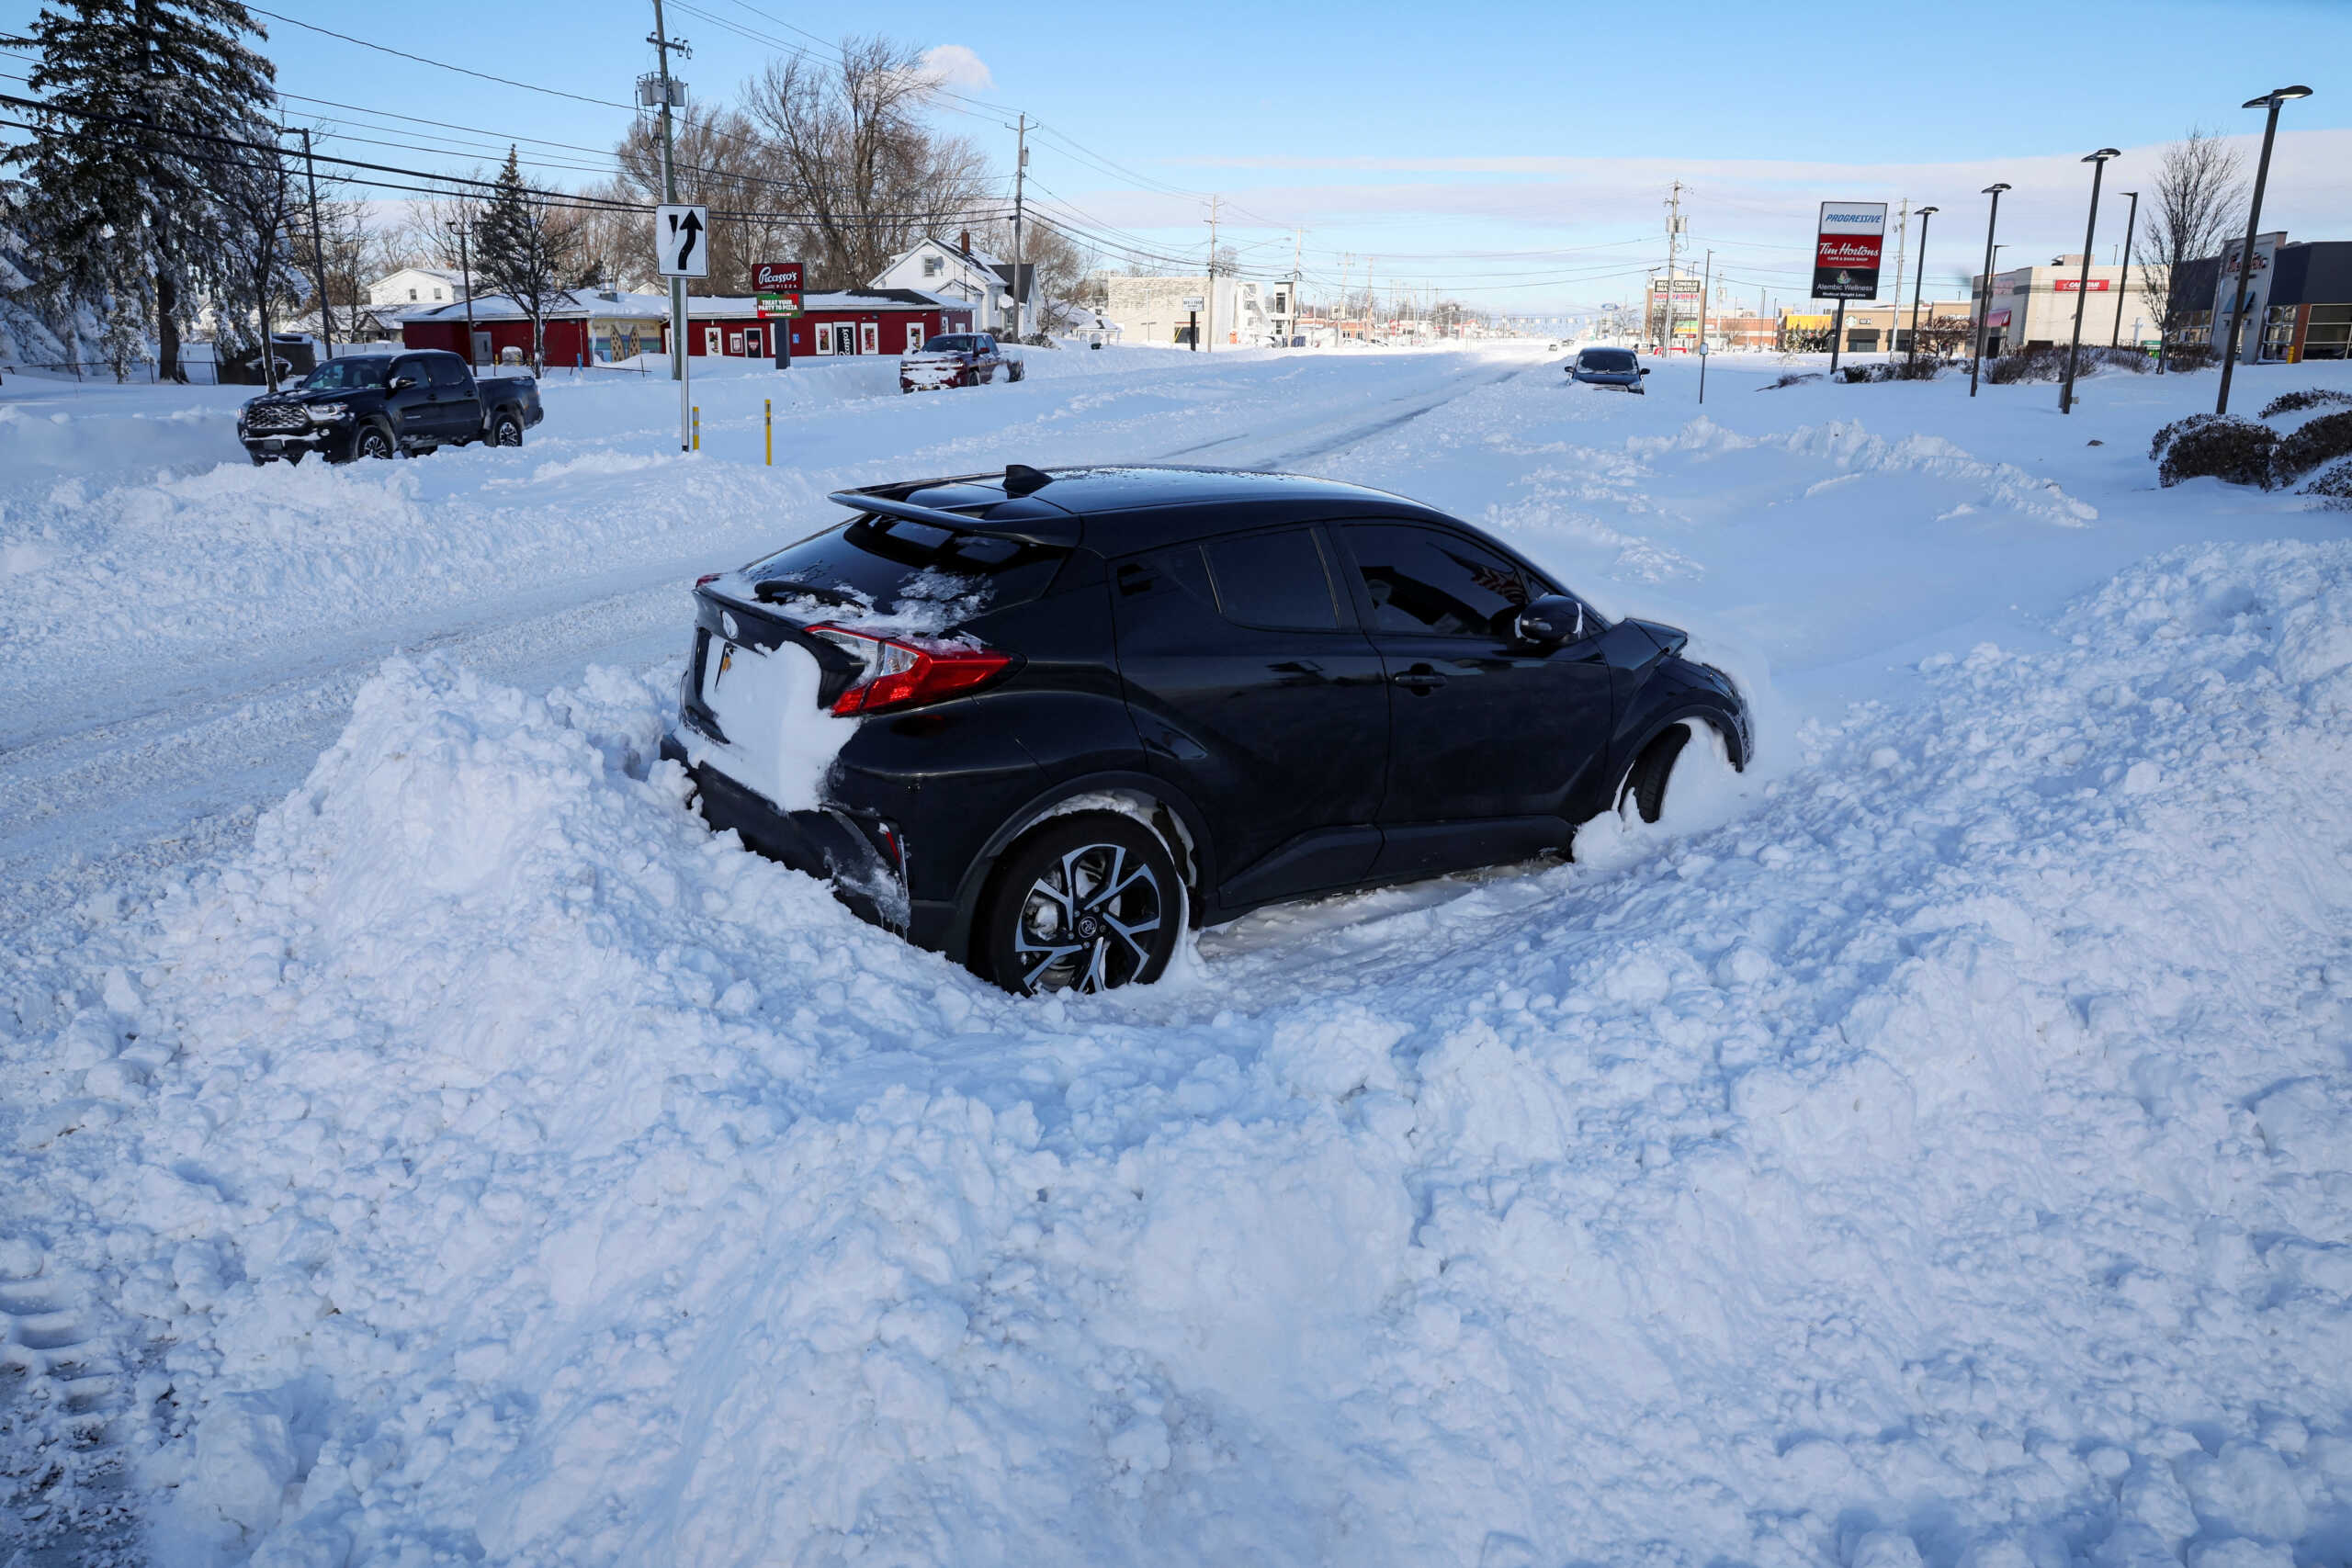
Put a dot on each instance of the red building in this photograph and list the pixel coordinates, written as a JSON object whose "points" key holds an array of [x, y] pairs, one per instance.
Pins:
{"points": [[603, 326]]}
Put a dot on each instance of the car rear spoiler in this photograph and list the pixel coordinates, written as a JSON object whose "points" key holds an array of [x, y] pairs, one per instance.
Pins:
{"points": [[1020, 517]]}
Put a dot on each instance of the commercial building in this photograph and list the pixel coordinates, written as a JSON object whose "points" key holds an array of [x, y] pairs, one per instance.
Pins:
{"points": [[2300, 301], [1233, 311], [2034, 306], [1869, 329]]}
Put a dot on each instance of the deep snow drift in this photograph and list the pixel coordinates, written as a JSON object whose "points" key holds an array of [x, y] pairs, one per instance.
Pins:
{"points": [[1930, 1149]]}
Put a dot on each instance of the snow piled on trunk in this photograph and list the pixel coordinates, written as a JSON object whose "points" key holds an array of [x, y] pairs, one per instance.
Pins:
{"points": [[1946, 1161]]}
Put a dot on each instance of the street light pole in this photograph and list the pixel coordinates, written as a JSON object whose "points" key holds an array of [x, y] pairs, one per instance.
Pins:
{"points": [[2276, 97], [1923, 215], [2123, 284], [1985, 307], [2097, 160]]}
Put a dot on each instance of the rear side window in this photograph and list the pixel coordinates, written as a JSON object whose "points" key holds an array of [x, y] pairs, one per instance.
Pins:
{"points": [[897, 566], [1273, 580], [1432, 582], [447, 373]]}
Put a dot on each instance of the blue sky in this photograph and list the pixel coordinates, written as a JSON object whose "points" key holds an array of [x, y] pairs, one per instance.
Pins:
{"points": [[1514, 155]]}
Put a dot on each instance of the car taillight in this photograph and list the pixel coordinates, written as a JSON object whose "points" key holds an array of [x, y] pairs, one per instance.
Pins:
{"points": [[898, 674], [707, 577]]}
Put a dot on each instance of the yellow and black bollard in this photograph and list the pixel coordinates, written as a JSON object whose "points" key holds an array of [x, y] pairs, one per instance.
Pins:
{"points": [[697, 427], [767, 422]]}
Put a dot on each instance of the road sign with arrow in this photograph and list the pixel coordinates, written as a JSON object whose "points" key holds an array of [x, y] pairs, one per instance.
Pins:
{"points": [[680, 236]]}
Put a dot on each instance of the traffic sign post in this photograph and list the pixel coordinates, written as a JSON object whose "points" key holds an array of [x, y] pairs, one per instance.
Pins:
{"points": [[680, 244]]}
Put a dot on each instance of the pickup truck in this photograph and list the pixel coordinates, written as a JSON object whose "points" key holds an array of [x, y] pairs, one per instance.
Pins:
{"points": [[373, 405], [957, 359]]}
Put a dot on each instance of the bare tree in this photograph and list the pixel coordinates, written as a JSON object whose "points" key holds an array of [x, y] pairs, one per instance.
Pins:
{"points": [[260, 269], [2190, 212], [1941, 337], [869, 177], [722, 163], [1059, 266]]}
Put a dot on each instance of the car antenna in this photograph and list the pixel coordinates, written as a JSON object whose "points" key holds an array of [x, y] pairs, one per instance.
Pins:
{"points": [[1020, 479]]}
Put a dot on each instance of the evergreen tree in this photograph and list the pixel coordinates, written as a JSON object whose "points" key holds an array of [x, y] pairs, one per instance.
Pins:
{"points": [[525, 251], [126, 182]]}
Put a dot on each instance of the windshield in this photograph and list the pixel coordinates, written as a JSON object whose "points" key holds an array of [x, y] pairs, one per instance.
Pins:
{"points": [[344, 375], [1606, 359], [953, 342]]}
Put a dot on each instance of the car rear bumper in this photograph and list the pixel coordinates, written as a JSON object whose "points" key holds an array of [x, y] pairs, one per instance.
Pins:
{"points": [[856, 855]]}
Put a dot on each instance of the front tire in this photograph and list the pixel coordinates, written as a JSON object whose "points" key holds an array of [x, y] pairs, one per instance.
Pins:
{"points": [[1645, 781], [1090, 902], [374, 441]]}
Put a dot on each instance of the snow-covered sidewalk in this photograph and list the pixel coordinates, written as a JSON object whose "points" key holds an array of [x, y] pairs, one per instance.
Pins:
{"points": [[1934, 1147]]}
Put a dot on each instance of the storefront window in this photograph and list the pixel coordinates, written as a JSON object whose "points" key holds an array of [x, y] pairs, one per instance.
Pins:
{"points": [[2329, 334], [2278, 331]]}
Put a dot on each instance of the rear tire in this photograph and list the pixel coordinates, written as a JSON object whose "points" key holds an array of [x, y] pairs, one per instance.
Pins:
{"points": [[506, 431], [1645, 781], [1090, 902]]}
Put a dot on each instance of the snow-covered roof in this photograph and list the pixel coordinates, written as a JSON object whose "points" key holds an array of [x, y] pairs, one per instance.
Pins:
{"points": [[618, 302]]}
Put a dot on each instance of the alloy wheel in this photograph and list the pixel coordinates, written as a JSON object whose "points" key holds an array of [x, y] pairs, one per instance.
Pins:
{"points": [[1085, 922]]}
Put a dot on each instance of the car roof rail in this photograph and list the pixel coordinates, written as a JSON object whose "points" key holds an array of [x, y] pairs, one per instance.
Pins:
{"points": [[1030, 522]]}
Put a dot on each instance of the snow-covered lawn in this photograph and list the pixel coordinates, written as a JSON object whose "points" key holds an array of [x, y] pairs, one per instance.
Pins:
{"points": [[1934, 1147]]}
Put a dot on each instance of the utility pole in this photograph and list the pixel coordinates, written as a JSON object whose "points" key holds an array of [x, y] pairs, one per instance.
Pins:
{"points": [[1297, 249], [1020, 176], [1902, 223], [662, 44], [466, 280], [319, 254], [1211, 285], [1666, 304]]}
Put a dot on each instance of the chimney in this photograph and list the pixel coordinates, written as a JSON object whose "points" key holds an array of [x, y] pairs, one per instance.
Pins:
{"points": [[964, 242]]}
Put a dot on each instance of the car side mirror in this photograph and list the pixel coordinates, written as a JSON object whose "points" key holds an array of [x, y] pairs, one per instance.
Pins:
{"points": [[399, 383], [1645, 369], [1551, 620]]}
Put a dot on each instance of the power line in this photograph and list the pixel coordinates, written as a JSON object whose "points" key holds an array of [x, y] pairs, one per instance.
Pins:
{"points": [[422, 60]]}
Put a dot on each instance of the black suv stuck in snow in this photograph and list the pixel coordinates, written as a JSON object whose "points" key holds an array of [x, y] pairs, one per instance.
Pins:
{"points": [[372, 405], [1072, 710]]}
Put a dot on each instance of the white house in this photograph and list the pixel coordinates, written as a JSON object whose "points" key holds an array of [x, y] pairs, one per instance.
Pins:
{"points": [[936, 267], [417, 286]]}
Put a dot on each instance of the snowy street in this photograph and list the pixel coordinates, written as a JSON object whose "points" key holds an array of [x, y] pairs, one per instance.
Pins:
{"points": [[421, 1141]]}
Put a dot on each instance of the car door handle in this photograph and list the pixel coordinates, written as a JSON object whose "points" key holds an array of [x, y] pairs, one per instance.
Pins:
{"points": [[1420, 680]]}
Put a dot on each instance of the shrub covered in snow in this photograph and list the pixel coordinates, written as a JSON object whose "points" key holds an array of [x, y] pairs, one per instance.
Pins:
{"points": [[2237, 451], [1892, 370], [1797, 378], [2164, 438], [2050, 365], [2320, 441], [2309, 397], [2335, 484], [2190, 356]]}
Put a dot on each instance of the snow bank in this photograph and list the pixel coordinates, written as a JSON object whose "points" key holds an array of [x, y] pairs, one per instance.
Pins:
{"points": [[1945, 1162]]}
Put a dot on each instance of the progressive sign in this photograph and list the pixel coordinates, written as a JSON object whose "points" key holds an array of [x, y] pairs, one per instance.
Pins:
{"points": [[1848, 243]]}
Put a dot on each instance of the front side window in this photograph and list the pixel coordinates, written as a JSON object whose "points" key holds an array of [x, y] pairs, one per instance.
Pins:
{"points": [[414, 370], [1274, 579], [1434, 584]]}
